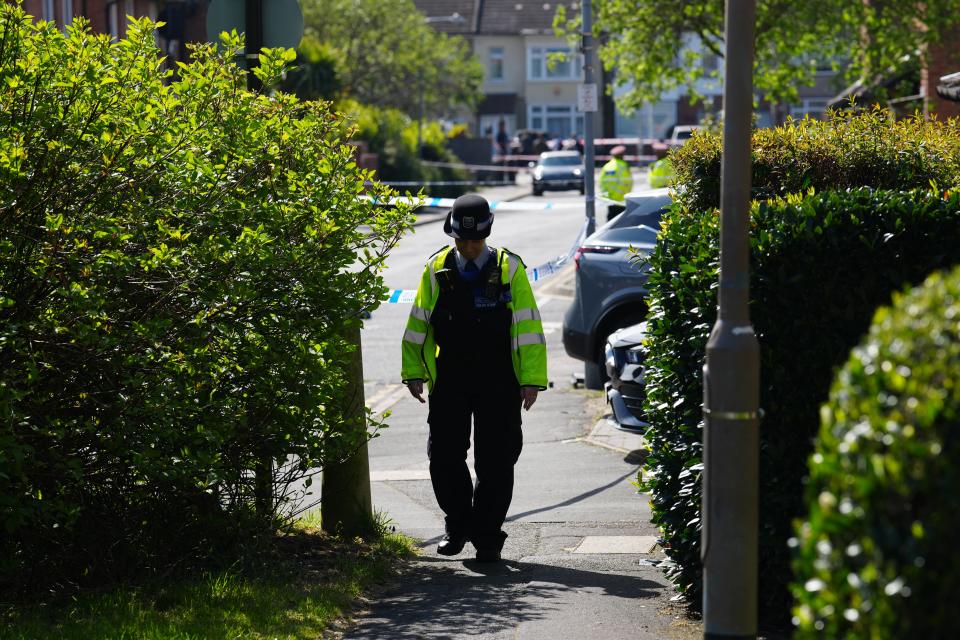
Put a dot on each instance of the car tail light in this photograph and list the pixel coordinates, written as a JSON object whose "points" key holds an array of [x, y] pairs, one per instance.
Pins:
{"points": [[583, 250]]}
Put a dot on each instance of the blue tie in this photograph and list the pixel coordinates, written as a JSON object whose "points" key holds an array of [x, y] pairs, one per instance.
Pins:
{"points": [[471, 273]]}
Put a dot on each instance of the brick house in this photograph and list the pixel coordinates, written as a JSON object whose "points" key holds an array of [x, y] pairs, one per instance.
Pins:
{"points": [[513, 40], [186, 19]]}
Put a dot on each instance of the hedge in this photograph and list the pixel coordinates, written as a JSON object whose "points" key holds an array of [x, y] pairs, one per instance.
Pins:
{"points": [[179, 260], [820, 265], [876, 555], [845, 151]]}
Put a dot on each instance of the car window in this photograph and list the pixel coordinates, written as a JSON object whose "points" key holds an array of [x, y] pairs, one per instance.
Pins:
{"points": [[641, 234], [560, 161], [637, 217]]}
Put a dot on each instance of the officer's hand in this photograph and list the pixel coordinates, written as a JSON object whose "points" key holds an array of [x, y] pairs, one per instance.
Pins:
{"points": [[416, 389], [529, 396]]}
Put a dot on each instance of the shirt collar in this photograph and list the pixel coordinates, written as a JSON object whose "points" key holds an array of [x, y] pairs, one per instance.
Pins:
{"points": [[480, 260]]}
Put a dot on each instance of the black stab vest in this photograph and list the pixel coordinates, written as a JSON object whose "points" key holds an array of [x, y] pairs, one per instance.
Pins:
{"points": [[473, 335]]}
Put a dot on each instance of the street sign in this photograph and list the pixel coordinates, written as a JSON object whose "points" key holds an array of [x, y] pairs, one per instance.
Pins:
{"points": [[587, 97], [282, 21]]}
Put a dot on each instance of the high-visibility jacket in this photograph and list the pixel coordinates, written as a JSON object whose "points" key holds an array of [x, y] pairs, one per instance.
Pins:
{"points": [[661, 173], [615, 180], [528, 344]]}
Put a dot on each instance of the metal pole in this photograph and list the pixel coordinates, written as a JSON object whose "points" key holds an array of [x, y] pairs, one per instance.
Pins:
{"points": [[586, 49], [420, 121], [732, 369], [254, 40]]}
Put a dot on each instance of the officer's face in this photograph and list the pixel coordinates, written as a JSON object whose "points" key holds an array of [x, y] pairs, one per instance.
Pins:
{"points": [[470, 249]]}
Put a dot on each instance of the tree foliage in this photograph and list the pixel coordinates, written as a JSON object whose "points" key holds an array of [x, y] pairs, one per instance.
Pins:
{"points": [[388, 56], [648, 41], [179, 262]]}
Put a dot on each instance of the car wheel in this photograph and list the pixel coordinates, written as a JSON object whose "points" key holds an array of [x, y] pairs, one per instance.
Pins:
{"points": [[537, 192], [582, 190]]}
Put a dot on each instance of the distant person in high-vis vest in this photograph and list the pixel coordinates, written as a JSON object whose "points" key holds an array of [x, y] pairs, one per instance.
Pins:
{"points": [[615, 182], [474, 336]]}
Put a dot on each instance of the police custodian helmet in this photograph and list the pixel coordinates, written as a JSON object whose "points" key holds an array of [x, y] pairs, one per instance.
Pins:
{"points": [[469, 219]]}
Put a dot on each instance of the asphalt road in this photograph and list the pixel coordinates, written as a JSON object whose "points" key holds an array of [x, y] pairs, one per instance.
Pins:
{"points": [[580, 559]]}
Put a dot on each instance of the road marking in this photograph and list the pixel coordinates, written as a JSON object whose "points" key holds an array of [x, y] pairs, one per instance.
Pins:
{"points": [[386, 397], [616, 544], [550, 327]]}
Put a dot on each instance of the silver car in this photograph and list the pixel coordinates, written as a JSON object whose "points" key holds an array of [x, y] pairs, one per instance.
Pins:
{"points": [[611, 284], [558, 171], [626, 366]]}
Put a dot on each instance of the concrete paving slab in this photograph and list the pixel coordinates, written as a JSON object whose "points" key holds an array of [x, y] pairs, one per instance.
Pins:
{"points": [[605, 434], [617, 544]]}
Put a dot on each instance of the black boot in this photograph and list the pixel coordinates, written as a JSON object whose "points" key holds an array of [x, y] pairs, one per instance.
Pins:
{"points": [[451, 544], [488, 555]]}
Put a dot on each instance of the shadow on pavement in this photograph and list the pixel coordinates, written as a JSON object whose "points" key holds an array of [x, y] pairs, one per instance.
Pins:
{"points": [[441, 598], [574, 499]]}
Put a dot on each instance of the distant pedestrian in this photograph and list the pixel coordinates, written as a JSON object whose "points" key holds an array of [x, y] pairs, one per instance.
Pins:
{"points": [[474, 335], [577, 142], [615, 182], [540, 145]]}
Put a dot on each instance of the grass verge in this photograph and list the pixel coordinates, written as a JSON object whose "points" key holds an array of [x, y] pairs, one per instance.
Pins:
{"points": [[298, 589]]}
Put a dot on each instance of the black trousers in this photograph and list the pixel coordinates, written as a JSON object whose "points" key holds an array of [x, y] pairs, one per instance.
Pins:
{"points": [[476, 511]]}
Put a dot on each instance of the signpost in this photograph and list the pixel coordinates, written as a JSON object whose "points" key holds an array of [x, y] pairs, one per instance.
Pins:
{"points": [[281, 21]]}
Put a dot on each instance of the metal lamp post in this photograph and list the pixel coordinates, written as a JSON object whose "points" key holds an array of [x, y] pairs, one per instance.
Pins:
{"points": [[589, 110], [732, 370]]}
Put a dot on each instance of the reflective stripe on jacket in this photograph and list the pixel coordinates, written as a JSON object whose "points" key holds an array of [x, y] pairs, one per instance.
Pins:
{"points": [[615, 180], [529, 345]]}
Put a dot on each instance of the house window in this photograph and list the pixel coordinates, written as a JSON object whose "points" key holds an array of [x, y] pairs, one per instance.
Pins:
{"points": [[539, 68], [556, 119], [113, 19], [49, 13], [815, 107], [495, 64]]}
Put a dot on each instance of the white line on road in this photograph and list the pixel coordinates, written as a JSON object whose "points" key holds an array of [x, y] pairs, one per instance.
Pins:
{"points": [[386, 397]]}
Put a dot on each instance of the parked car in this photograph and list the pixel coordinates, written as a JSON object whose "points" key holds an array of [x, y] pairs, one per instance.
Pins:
{"points": [[682, 132], [558, 171], [610, 285], [625, 364]]}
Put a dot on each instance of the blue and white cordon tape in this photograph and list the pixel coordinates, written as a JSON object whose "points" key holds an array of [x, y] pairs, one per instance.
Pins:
{"points": [[444, 203], [534, 274]]}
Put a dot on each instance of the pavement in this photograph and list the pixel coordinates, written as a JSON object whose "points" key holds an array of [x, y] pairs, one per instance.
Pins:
{"points": [[581, 560]]}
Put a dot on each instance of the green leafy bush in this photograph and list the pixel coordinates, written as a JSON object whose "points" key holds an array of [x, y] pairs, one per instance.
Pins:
{"points": [[845, 151], [393, 136], [877, 554], [819, 266], [179, 261]]}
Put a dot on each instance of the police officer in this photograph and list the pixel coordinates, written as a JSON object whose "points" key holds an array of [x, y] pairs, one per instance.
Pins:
{"points": [[475, 337], [615, 182]]}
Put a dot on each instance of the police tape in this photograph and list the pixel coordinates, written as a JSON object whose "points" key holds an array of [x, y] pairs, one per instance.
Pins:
{"points": [[444, 203], [534, 274], [443, 183]]}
